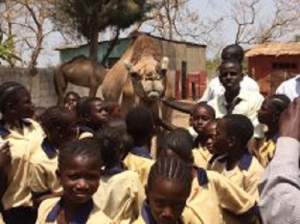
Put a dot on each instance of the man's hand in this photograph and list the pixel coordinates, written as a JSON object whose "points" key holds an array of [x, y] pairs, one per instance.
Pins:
{"points": [[289, 124]]}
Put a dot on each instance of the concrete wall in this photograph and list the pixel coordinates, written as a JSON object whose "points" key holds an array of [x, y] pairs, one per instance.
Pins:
{"points": [[41, 86]]}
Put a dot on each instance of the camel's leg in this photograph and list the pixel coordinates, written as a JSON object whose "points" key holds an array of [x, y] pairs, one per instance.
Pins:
{"points": [[93, 90], [60, 84]]}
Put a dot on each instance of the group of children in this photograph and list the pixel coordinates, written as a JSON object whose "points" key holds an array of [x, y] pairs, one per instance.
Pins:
{"points": [[85, 163]]}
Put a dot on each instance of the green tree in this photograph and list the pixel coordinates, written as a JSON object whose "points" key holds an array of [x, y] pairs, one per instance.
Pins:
{"points": [[89, 17], [7, 50]]}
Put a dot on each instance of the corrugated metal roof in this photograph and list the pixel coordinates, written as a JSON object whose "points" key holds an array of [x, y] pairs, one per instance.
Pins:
{"points": [[274, 49], [67, 47]]}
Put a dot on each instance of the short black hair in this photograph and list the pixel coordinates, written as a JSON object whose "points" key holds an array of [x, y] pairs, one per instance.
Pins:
{"points": [[114, 141], [231, 61], [239, 126], [280, 102], [173, 169], [234, 52], [89, 147], [8, 92], [181, 142], [139, 122], [55, 116], [209, 108], [83, 107], [72, 93]]}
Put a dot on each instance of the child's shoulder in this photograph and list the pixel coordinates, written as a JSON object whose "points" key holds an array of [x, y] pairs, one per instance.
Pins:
{"points": [[137, 160]]}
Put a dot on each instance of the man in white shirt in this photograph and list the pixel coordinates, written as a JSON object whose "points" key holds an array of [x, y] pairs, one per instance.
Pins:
{"points": [[280, 185], [236, 100], [290, 88], [215, 88]]}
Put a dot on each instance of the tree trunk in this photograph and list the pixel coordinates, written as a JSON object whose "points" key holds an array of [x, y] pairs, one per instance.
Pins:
{"points": [[94, 45]]}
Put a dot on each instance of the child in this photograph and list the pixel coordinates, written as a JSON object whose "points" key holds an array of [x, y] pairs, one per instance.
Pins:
{"points": [[237, 164], [79, 169], [210, 131], [140, 127], [201, 115], [121, 193], [24, 137], [92, 113], [269, 115], [70, 101], [168, 187], [211, 192], [60, 127]]}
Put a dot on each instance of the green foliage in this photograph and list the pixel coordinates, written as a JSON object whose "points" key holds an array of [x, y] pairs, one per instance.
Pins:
{"points": [[212, 65], [88, 16], [7, 50]]}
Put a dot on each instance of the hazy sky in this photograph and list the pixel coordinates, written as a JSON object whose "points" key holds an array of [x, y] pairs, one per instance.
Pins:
{"points": [[208, 9]]}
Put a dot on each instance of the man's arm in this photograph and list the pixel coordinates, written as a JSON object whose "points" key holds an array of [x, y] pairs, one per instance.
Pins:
{"points": [[280, 186]]}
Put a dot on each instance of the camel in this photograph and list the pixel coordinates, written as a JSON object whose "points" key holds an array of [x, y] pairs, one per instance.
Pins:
{"points": [[79, 71], [140, 77]]}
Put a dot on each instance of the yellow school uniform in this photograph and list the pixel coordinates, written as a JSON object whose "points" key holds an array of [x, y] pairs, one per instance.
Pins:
{"points": [[22, 146], [147, 218], [120, 195], [211, 193], [42, 169], [89, 214], [245, 175], [140, 163], [264, 152], [201, 157]]}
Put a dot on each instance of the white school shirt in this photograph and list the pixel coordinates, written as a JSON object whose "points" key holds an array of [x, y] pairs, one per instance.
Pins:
{"points": [[290, 88]]}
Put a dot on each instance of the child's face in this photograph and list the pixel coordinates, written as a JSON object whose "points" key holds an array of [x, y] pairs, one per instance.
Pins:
{"points": [[167, 200], [220, 143], [210, 133], [24, 106], [98, 113], [79, 177], [266, 113], [200, 118], [70, 102]]}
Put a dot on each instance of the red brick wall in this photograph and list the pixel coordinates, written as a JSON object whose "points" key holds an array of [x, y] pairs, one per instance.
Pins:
{"points": [[269, 77]]}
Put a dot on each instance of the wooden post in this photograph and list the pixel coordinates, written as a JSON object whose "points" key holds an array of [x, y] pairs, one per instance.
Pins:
{"points": [[184, 79]]}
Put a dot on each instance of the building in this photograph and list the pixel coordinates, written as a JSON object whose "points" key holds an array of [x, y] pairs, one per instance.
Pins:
{"points": [[187, 61], [272, 63]]}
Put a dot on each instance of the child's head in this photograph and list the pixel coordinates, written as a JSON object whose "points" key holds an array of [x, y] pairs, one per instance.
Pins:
{"points": [[201, 114], [15, 101], [70, 101], [115, 143], [59, 125], [233, 134], [169, 186], [233, 52], [271, 109], [178, 143], [210, 131], [79, 170], [92, 111], [140, 124]]}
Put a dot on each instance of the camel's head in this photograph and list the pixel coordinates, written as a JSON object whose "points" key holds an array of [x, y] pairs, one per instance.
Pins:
{"points": [[149, 77]]}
